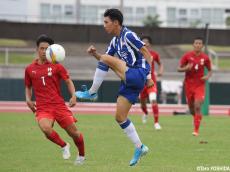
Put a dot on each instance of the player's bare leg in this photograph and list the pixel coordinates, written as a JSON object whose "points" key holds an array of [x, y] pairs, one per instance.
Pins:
{"points": [[143, 103], [122, 109], [79, 142], [46, 125], [117, 65]]}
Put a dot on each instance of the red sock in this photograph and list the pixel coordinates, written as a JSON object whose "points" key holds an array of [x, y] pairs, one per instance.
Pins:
{"points": [[79, 142], [197, 120], [155, 112], [144, 109], [54, 137]]}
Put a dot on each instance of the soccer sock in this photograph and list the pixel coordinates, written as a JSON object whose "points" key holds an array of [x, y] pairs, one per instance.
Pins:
{"points": [[155, 112], [55, 138], [79, 142], [197, 120], [100, 73], [144, 109], [131, 132]]}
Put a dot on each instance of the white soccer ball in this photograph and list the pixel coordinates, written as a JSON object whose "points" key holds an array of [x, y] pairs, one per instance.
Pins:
{"points": [[55, 53]]}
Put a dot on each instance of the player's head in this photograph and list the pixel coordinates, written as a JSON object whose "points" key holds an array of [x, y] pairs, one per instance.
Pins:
{"points": [[198, 44], [113, 19], [43, 41], [147, 40]]}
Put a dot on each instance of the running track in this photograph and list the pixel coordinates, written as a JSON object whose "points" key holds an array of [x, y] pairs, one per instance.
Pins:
{"points": [[109, 108]]}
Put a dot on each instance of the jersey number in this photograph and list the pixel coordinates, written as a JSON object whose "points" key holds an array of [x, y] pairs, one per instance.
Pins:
{"points": [[43, 80], [196, 67]]}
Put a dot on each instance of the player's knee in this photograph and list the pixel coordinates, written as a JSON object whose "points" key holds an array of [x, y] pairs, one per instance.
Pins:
{"points": [[47, 130], [152, 97]]}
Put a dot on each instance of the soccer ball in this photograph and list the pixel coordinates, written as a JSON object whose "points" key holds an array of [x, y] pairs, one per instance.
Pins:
{"points": [[55, 53]]}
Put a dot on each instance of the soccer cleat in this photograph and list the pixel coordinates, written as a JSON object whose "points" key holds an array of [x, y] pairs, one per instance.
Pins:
{"points": [[144, 118], [85, 95], [65, 151], [139, 152], [157, 126], [79, 160]]}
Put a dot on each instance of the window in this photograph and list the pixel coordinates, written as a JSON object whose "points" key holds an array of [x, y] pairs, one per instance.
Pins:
{"points": [[218, 16], [45, 10], [69, 10], [151, 11], [194, 13], [171, 16], [57, 10], [182, 12], [88, 14], [206, 15]]}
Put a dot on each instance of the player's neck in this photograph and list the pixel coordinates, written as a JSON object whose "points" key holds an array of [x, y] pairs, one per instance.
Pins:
{"points": [[118, 30], [41, 61], [197, 53]]}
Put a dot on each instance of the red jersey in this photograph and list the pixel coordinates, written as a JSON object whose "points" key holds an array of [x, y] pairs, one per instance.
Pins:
{"points": [[156, 58], [193, 77], [45, 80]]}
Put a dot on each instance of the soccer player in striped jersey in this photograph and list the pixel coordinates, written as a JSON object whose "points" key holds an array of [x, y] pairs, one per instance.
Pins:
{"points": [[132, 66]]}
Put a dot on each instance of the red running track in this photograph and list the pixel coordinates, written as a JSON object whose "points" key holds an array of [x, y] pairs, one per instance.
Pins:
{"points": [[109, 108]]}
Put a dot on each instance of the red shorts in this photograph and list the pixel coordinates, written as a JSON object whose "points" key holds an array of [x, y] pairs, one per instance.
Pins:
{"points": [[194, 93], [62, 115], [146, 91]]}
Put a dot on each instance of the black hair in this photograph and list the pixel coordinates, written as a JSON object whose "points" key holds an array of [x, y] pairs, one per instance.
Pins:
{"points": [[198, 38], [44, 38], [148, 38], [114, 14]]}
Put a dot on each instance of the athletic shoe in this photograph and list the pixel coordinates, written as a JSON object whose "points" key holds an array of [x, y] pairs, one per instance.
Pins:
{"points": [[79, 160], [65, 151], [144, 118], [157, 126], [85, 95], [139, 152]]}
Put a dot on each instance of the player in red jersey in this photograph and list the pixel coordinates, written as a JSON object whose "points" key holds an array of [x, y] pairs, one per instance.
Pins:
{"points": [[44, 78], [151, 92], [193, 64]]}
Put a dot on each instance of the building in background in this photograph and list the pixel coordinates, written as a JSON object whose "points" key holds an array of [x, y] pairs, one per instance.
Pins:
{"points": [[172, 13]]}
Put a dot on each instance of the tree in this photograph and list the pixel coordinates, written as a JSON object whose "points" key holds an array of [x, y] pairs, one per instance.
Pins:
{"points": [[152, 21], [227, 21]]}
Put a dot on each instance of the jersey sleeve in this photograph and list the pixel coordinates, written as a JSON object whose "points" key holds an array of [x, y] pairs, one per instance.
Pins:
{"points": [[111, 49], [27, 79], [183, 60], [134, 41], [63, 73]]}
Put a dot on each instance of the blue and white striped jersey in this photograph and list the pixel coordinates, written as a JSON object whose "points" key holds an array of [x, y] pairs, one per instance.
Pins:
{"points": [[127, 47]]}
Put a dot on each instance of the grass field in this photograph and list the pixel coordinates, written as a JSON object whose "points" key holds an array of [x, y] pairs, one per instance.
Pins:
{"points": [[24, 149]]}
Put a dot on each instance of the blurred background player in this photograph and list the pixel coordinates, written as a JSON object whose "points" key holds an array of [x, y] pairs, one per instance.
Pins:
{"points": [[130, 66], [193, 64], [151, 92], [44, 78]]}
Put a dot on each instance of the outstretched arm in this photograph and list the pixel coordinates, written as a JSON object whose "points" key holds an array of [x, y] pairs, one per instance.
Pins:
{"points": [[93, 51]]}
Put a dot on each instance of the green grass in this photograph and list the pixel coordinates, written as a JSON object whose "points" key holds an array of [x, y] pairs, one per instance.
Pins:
{"points": [[188, 47], [24, 148], [224, 63], [13, 43], [17, 58]]}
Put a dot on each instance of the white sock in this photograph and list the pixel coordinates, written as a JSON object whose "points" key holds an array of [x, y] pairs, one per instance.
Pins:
{"points": [[97, 80], [131, 132]]}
